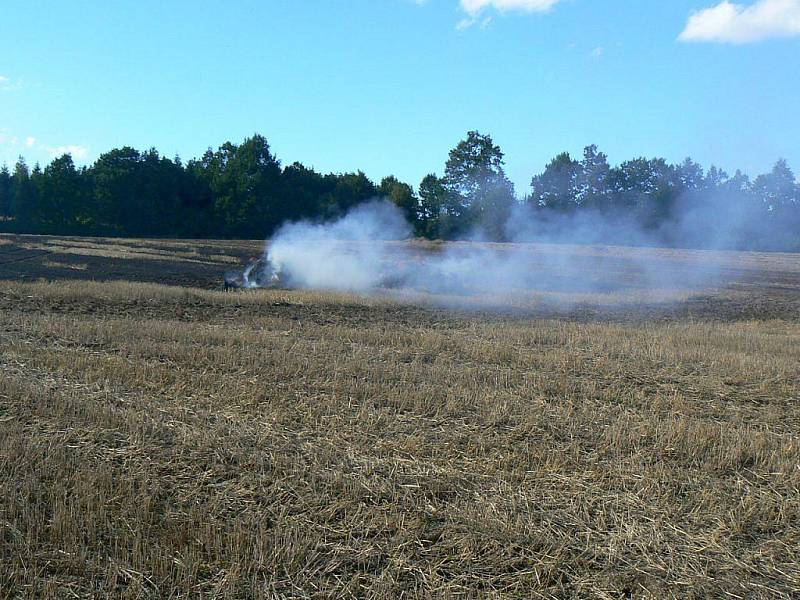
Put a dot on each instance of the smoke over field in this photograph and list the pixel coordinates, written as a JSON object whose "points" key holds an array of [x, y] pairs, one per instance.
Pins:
{"points": [[364, 251], [339, 255]]}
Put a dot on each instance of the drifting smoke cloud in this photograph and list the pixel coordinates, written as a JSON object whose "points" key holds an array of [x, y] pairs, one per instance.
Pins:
{"points": [[714, 220], [341, 255], [355, 253], [361, 252]]}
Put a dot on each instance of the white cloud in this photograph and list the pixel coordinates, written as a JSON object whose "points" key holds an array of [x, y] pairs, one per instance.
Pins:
{"points": [[732, 23], [30, 141], [75, 151]]}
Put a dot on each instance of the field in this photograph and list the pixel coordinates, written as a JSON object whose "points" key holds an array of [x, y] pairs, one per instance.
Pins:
{"points": [[160, 438]]}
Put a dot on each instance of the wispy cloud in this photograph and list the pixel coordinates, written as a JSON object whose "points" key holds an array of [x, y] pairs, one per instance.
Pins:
{"points": [[7, 85], [469, 22], [732, 23], [16, 143], [475, 8], [74, 150]]}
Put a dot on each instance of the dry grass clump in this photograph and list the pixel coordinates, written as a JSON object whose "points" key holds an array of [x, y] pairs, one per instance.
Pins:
{"points": [[167, 442]]}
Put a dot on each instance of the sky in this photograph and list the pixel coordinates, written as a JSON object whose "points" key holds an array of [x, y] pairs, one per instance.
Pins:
{"points": [[390, 86]]}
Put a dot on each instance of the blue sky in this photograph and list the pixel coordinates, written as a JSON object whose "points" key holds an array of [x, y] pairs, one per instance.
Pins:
{"points": [[389, 86]]}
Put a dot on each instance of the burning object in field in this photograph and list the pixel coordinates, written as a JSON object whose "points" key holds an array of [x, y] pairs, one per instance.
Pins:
{"points": [[259, 272]]}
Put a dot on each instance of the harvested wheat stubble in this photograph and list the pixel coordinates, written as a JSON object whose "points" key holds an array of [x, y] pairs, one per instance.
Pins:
{"points": [[167, 442]]}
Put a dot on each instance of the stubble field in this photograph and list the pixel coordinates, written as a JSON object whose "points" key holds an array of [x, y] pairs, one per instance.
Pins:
{"points": [[160, 438]]}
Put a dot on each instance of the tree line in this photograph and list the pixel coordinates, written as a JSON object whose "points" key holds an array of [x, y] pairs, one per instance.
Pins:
{"points": [[243, 191]]}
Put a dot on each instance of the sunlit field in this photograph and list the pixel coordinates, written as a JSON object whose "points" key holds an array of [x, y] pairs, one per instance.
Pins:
{"points": [[163, 438]]}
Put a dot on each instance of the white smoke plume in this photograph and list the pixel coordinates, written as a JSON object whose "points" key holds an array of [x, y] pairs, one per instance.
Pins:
{"points": [[363, 252], [341, 255]]}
